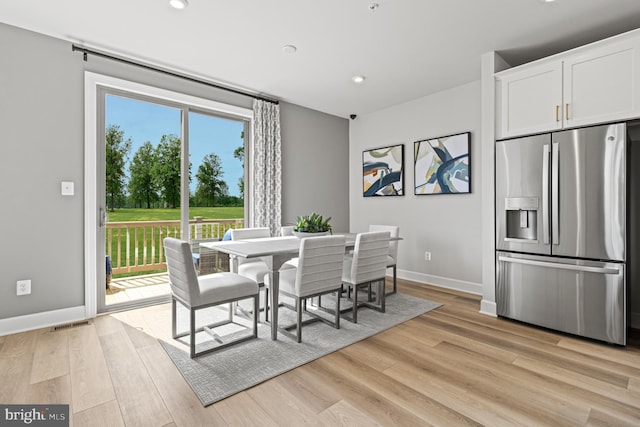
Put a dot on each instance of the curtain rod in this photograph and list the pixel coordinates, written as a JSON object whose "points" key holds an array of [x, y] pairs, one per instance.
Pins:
{"points": [[86, 51]]}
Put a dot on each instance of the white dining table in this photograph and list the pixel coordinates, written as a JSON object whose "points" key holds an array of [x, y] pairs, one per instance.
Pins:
{"points": [[280, 249]]}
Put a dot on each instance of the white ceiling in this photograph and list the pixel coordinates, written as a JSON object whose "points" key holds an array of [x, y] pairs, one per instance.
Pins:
{"points": [[406, 48]]}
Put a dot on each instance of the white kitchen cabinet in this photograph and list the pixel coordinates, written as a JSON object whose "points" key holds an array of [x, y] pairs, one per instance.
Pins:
{"points": [[590, 85], [530, 100], [602, 85]]}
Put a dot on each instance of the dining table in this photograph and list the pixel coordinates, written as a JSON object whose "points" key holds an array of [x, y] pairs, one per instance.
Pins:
{"points": [[280, 249]]}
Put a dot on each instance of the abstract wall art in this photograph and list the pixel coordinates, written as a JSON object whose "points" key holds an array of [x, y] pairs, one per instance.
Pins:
{"points": [[443, 165], [382, 171]]}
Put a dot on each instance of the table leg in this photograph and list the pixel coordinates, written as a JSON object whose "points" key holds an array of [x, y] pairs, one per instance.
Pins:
{"points": [[274, 297]]}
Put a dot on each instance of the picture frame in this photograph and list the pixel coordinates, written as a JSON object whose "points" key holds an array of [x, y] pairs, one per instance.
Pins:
{"points": [[443, 165], [383, 171]]}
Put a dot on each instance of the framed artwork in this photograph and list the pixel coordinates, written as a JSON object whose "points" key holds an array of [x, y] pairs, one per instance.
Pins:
{"points": [[443, 165], [382, 171]]}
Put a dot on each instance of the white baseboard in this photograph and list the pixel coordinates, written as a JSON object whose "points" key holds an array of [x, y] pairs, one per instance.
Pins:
{"points": [[45, 319], [443, 282], [489, 308]]}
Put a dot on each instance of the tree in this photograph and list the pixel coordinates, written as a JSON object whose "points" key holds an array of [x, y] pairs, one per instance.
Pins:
{"points": [[239, 154], [143, 187], [117, 151], [210, 182], [166, 170]]}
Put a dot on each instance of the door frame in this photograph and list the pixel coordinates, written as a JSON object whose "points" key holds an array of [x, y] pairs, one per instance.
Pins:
{"points": [[93, 207]]}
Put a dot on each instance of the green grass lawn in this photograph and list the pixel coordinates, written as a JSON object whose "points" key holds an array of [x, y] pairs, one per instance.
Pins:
{"points": [[125, 215]]}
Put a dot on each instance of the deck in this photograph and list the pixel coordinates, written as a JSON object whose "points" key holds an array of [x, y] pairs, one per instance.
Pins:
{"points": [[137, 287]]}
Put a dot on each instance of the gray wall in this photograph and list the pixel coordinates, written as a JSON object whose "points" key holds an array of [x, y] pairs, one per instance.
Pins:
{"points": [[315, 165], [42, 128], [449, 226]]}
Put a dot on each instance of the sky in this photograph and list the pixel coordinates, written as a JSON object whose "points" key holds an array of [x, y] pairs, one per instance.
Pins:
{"points": [[143, 121]]}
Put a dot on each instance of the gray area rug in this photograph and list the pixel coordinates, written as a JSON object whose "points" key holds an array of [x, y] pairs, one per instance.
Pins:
{"points": [[218, 375]]}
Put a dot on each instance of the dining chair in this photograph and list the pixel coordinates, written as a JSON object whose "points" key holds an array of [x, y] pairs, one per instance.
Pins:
{"points": [[254, 268], [392, 258], [199, 292], [319, 272], [286, 230], [367, 265]]}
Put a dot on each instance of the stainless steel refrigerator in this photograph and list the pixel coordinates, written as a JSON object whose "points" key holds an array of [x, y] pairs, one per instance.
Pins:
{"points": [[561, 231]]}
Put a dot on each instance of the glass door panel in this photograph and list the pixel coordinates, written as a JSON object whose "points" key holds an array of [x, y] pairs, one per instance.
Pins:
{"points": [[216, 199]]}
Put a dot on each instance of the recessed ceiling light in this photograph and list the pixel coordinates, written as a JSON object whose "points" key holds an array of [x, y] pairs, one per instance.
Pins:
{"points": [[179, 4], [358, 79], [289, 48]]}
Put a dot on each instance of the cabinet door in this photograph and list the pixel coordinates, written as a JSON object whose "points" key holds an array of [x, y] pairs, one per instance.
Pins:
{"points": [[530, 100], [602, 85]]}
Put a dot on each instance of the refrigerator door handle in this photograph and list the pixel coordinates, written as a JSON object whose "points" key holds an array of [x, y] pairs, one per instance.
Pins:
{"points": [[555, 189], [586, 269], [545, 194]]}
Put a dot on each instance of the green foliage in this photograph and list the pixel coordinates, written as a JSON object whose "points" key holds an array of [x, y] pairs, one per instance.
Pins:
{"points": [[313, 223], [210, 183], [167, 169], [117, 150], [143, 188]]}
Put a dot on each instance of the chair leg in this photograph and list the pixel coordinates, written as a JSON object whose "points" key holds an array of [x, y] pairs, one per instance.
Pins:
{"points": [[382, 292], [299, 304], [192, 332], [355, 304], [174, 332], [256, 313], [337, 319], [266, 305], [394, 279]]}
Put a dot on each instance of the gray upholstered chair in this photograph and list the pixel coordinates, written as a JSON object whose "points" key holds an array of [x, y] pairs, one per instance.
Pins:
{"points": [[367, 265], [392, 258], [319, 272], [196, 293], [286, 230], [254, 268]]}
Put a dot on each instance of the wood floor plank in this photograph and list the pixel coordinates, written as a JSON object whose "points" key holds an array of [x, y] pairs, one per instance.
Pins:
{"points": [[18, 345], [15, 373], [504, 391], [367, 399], [241, 410], [614, 373], [578, 380], [51, 356], [343, 414], [104, 415], [140, 403], [284, 406], [405, 397], [315, 394], [180, 400], [90, 380]]}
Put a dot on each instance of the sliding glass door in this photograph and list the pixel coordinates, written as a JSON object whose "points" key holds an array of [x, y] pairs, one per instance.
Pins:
{"points": [[164, 169]]}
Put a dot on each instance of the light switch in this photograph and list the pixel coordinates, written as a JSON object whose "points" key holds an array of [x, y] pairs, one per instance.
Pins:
{"points": [[67, 188]]}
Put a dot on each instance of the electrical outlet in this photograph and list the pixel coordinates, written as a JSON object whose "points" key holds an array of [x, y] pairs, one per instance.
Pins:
{"points": [[23, 287], [427, 256]]}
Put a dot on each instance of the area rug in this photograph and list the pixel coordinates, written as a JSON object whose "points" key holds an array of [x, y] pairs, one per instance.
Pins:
{"points": [[216, 376]]}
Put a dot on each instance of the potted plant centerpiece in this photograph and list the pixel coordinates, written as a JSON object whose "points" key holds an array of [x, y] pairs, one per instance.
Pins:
{"points": [[312, 225]]}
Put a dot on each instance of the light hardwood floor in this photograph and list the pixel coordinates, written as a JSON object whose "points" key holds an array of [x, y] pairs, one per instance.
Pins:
{"points": [[452, 366]]}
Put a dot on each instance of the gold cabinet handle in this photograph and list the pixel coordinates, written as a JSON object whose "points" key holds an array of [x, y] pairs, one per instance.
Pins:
{"points": [[566, 111], [557, 113]]}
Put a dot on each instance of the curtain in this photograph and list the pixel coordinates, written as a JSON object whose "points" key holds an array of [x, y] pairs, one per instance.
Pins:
{"points": [[267, 169]]}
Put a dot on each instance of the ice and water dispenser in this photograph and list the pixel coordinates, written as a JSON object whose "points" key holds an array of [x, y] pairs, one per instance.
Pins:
{"points": [[522, 218]]}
